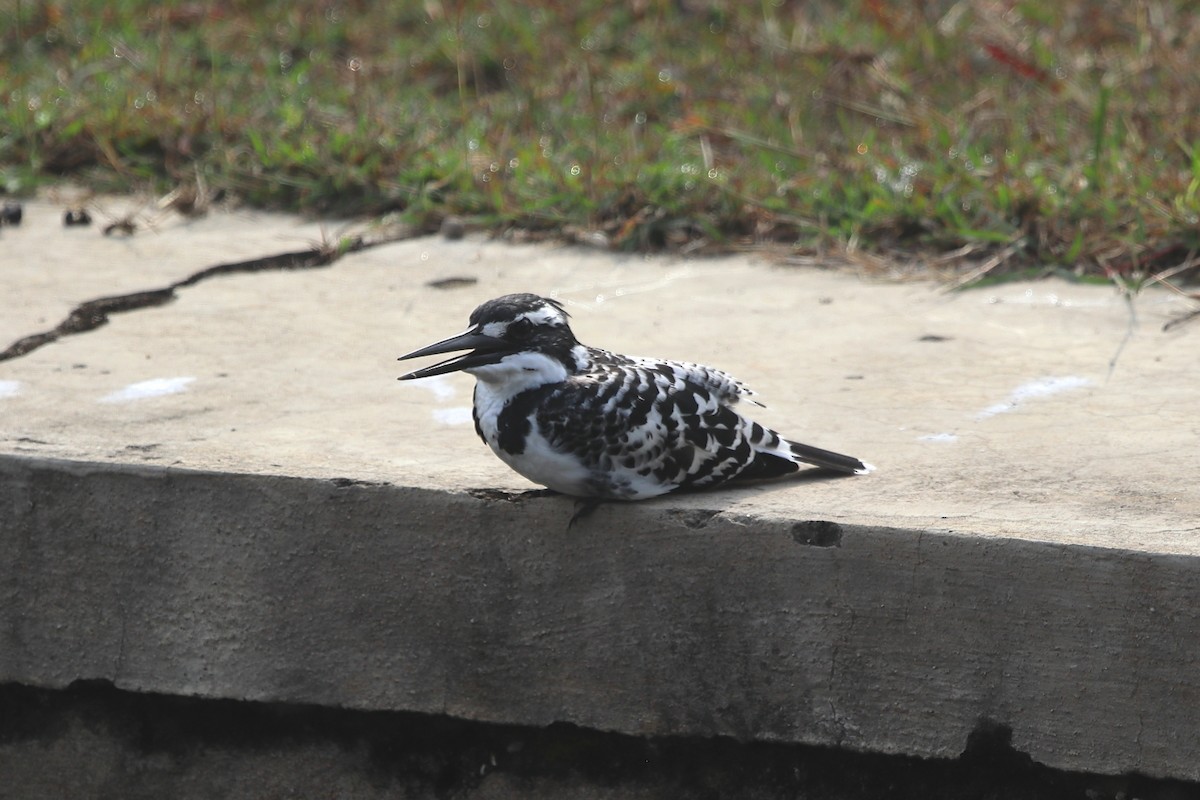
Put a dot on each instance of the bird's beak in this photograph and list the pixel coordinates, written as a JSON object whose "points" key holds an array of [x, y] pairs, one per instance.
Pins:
{"points": [[484, 350]]}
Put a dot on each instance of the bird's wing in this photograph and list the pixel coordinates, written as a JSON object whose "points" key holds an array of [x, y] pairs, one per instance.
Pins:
{"points": [[650, 428], [726, 387]]}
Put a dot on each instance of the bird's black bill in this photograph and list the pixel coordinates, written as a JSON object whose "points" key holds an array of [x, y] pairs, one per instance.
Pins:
{"points": [[484, 350]]}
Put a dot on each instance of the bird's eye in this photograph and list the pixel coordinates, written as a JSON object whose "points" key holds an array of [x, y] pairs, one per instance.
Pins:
{"points": [[521, 327]]}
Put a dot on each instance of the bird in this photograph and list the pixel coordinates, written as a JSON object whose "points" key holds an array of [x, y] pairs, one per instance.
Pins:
{"points": [[598, 425]]}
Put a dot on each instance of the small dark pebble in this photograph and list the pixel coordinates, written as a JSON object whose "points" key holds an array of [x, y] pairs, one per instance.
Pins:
{"points": [[453, 228], [125, 227], [933, 337], [11, 213], [452, 283], [77, 216]]}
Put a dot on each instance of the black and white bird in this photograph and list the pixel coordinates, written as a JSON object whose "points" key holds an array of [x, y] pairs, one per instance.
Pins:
{"points": [[595, 424]]}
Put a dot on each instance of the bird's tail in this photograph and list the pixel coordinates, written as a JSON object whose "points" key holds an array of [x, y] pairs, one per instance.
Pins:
{"points": [[825, 458], [784, 455]]}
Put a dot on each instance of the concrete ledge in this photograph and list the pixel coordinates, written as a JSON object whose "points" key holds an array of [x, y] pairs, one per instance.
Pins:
{"points": [[650, 619]]}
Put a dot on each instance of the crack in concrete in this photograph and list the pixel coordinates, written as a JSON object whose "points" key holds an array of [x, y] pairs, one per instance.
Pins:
{"points": [[506, 496], [93, 314], [694, 518], [836, 716], [912, 578]]}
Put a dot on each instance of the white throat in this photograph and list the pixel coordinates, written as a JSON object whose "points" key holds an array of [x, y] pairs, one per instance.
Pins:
{"points": [[497, 384], [518, 372]]}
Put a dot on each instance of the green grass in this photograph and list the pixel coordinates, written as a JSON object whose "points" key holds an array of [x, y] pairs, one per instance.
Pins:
{"points": [[1063, 135]]}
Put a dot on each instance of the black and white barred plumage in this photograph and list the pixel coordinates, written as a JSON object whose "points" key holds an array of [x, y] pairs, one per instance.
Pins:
{"points": [[590, 423]]}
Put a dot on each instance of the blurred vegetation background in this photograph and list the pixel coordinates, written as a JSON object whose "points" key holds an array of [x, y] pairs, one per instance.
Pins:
{"points": [[1021, 136]]}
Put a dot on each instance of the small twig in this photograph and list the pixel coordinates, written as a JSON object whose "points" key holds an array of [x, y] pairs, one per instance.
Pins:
{"points": [[1133, 321], [1188, 317], [956, 255], [873, 111], [1188, 263], [986, 266]]}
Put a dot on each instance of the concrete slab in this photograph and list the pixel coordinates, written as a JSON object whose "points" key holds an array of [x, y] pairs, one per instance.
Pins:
{"points": [[247, 504]]}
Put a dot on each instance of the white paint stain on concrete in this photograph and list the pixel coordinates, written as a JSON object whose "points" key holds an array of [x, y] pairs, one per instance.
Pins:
{"points": [[459, 415], [443, 390], [1042, 387], [155, 387], [440, 385], [938, 437], [10, 388]]}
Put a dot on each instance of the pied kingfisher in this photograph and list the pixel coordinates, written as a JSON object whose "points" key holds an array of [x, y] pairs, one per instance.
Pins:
{"points": [[595, 424]]}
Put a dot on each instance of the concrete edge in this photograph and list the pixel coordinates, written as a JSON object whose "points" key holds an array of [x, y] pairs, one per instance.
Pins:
{"points": [[646, 619]]}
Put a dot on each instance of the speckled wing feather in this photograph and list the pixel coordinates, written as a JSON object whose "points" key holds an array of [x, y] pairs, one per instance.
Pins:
{"points": [[603, 365], [646, 427]]}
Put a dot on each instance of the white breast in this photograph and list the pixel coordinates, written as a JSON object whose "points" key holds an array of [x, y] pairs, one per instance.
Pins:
{"points": [[496, 385], [546, 466]]}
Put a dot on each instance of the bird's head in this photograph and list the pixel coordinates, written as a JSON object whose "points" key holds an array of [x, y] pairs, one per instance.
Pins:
{"points": [[513, 333]]}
